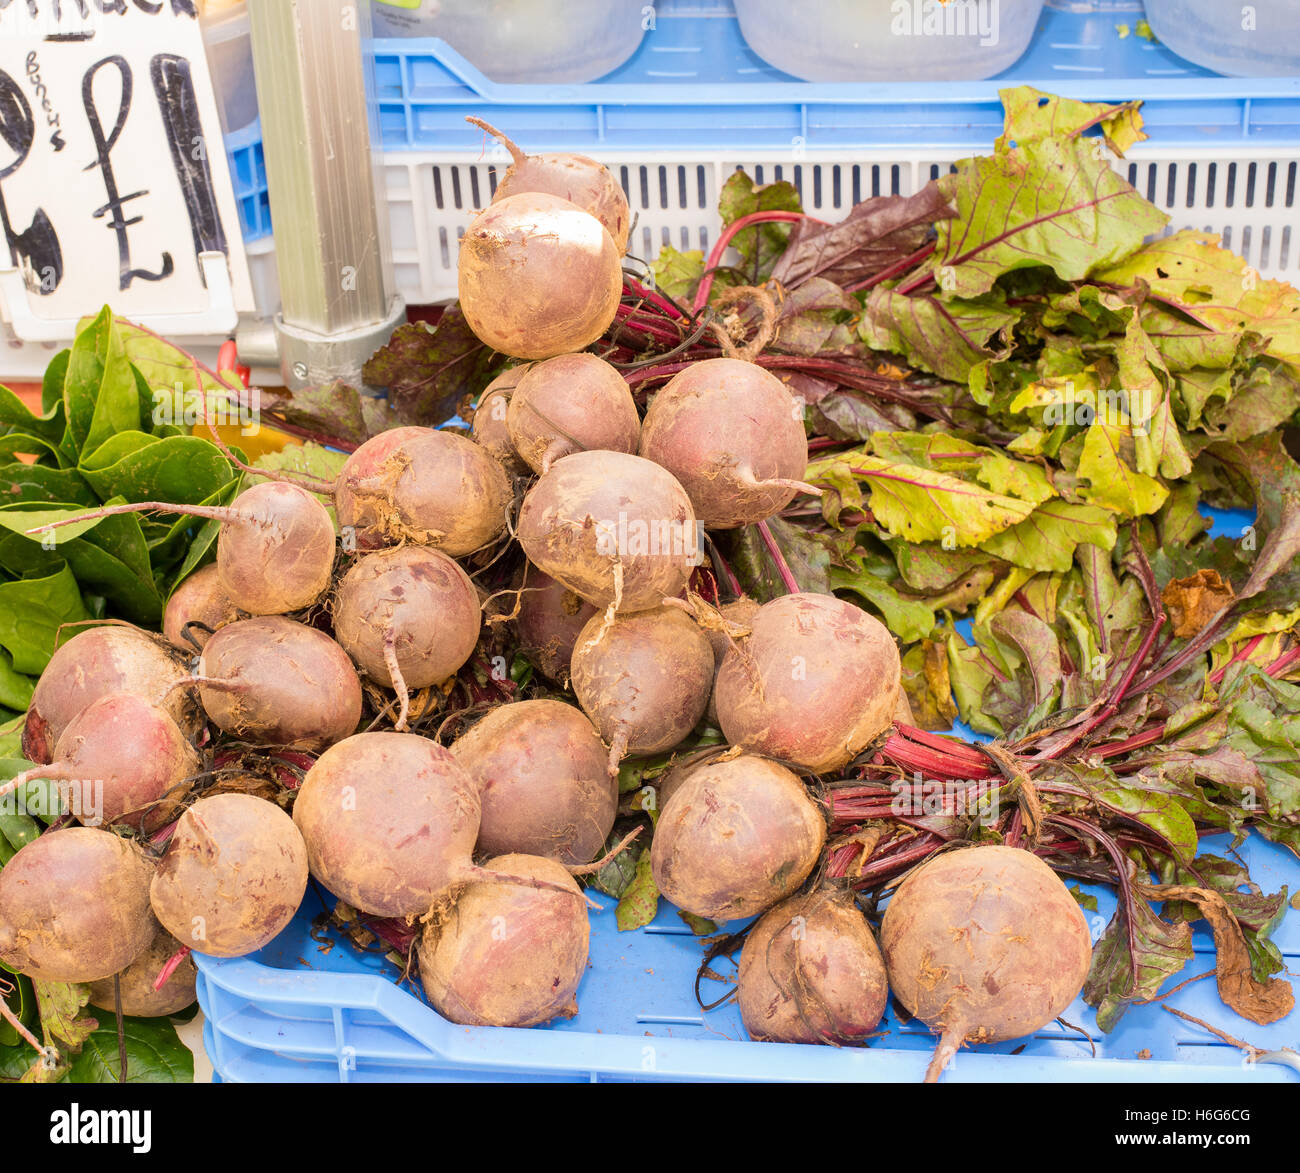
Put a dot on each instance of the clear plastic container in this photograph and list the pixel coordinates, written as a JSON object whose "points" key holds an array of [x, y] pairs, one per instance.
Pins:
{"points": [[1261, 39], [555, 41], [230, 60], [889, 40]]}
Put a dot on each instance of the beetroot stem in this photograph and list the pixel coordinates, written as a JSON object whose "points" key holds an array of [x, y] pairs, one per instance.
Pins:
{"points": [[782, 566], [728, 234]]}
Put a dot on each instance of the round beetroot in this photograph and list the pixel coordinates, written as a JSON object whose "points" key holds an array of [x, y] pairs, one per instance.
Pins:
{"points": [[423, 486], [733, 435], [411, 608], [74, 906], [549, 619], [613, 528], [984, 944], [276, 552], [508, 955], [735, 837], [643, 679], [571, 403], [811, 972], [233, 876], [538, 276], [390, 821], [118, 756], [576, 178], [139, 998], [489, 423], [95, 663], [202, 600], [540, 769], [814, 683], [278, 682]]}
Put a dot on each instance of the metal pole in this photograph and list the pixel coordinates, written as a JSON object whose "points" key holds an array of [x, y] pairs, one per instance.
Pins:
{"points": [[337, 294]]}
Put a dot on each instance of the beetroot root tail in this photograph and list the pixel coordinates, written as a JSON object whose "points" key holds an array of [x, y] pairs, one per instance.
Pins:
{"points": [[949, 1042]]}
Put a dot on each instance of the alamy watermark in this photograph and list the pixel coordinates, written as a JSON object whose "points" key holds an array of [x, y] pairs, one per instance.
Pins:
{"points": [[83, 798], [955, 18], [662, 538], [184, 407], [929, 797]]}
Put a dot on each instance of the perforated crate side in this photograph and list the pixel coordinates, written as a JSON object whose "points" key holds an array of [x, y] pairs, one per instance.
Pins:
{"points": [[1247, 195]]}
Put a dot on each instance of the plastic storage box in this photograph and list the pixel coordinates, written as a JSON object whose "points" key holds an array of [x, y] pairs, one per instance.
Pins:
{"points": [[294, 1012], [534, 41], [695, 102], [889, 40], [311, 1008], [230, 60], [1260, 39]]}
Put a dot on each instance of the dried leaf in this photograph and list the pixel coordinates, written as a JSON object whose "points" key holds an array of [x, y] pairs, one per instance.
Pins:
{"points": [[1193, 602], [1261, 1002]]}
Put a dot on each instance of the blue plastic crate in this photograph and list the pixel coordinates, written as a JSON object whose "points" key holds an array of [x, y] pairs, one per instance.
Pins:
{"points": [[299, 1012], [296, 1013], [695, 85], [248, 174]]}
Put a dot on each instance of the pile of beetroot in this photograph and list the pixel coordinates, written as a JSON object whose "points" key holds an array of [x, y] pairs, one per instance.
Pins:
{"points": [[361, 671]]}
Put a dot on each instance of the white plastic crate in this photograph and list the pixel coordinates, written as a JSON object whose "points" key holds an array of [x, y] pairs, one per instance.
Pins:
{"points": [[1248, 196]]}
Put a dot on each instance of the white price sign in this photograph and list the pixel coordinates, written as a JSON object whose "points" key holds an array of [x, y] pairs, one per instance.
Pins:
{"points": [[114, 187]]}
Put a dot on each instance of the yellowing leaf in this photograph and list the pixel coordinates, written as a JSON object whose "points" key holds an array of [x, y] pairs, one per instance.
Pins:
{"points": [[1192, 272], [1051, 202], [1112, 481], [1032, 114], [923, 505]]}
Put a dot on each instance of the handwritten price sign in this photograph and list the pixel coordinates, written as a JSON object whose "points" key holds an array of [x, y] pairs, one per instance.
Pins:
{"points": [[114, 186]]}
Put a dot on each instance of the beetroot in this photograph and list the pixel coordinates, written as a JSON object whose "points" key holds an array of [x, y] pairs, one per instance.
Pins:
{"points": [[735, 837], [233, 876], [489, 423], [139, 998], [733, 435], [576, 178], [390, 821], [95, 663], [275, 548], [423, 486], [277, 682], [984, 944], [200, 600], [643, 679], [814, 683], [117, 757], [507, 955], [615, 529], [571, 403], [549, 619], [538, 276], [275, 553], [811, 972], [74, 906], [735, 620], [540, 770], [408, 616]]}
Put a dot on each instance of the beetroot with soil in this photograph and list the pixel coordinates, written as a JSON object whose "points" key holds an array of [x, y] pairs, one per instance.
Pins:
{"points": [[233, 876], [643, 679], [74, 906], [539, 766], [984, 944], [814, 683], [736, 837], [508, 955], [276, 682]]}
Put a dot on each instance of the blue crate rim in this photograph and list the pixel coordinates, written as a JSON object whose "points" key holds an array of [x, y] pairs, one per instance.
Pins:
{"points": [[795, 92]]}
